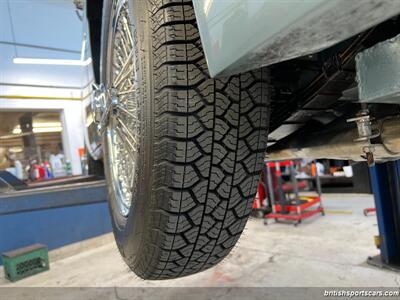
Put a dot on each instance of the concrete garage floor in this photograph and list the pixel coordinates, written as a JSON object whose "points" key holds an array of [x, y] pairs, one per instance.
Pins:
{"points": [[322, 251]]}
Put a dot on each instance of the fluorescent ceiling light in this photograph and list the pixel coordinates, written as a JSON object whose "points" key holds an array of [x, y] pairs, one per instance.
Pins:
{"points": [[45, 61], [44, 124], [40, 130], [39, 127]]}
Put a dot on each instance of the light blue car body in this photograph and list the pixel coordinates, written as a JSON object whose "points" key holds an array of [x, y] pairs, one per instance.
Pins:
{"points": [[240, 35]]}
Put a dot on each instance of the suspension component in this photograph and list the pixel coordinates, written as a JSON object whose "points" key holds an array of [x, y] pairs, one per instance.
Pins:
{"points": [[366, 133]]}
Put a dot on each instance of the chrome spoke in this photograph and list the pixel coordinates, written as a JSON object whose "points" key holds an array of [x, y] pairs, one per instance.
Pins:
{"points": [[121, 79], [123, 44], [120, 60], [126, 92], [123, 137], [128, 31], [127, 131], [122, 71], [123, 116], [124, 110]]}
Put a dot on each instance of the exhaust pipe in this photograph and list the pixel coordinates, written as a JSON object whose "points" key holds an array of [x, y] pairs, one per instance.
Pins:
{"points": [[340, 144]]}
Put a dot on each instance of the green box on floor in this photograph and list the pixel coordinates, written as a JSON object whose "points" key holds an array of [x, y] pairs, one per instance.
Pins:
{"points": [[24, 262]]}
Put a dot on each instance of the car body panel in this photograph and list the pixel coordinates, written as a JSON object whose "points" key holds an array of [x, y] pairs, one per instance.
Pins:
{"points": [[240, 35]]}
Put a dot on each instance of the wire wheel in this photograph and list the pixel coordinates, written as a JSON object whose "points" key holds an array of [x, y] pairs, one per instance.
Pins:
{"points": [[122, 133]]}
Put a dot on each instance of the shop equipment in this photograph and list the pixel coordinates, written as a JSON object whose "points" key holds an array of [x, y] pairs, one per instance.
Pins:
{"points": [[286, 201], [25, 262], [261, 204]]}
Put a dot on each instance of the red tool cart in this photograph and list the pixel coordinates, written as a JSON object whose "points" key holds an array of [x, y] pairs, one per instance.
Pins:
{"points": [[261, 205], [284, 195]]}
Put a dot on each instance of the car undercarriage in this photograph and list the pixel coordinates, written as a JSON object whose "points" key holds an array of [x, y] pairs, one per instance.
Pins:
{"points": [[314, 96]]}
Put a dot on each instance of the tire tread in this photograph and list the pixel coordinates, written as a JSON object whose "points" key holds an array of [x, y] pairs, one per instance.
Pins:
{"points": [[209, 140]]}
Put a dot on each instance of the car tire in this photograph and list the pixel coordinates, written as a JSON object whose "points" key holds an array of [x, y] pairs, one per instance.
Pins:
{"points": [[202, 144]]}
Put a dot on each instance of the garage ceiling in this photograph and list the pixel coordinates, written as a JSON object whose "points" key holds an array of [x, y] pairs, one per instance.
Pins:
{"points": [[45, 29]]}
